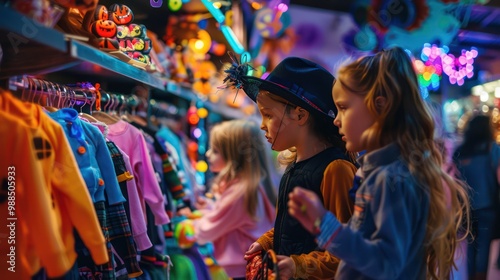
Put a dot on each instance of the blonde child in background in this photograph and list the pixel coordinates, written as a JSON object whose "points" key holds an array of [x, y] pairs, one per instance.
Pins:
{"points": [[297, 116], [408, 211], [242, 211]]}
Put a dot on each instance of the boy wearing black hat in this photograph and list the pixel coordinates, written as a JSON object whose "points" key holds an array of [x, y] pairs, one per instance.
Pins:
{"points": [[297, 115]]}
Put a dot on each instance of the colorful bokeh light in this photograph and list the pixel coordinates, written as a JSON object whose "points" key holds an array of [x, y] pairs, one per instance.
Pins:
{"points": [[436, 61]]}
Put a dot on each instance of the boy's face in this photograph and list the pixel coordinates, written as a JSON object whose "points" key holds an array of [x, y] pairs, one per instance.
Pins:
{"points": [[275, 122], [353, 118]]}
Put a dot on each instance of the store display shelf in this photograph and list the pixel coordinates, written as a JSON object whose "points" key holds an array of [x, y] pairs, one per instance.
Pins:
{"points": [[31, 48], [181, 91], [188, 94], [84, 52]]}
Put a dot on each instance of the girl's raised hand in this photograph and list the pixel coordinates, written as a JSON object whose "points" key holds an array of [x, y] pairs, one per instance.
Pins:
{"points": [[305, 206], [203, 203]]}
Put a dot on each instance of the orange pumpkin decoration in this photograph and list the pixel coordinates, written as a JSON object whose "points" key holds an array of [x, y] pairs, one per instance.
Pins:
{"points": [[121, 14], [103, 28], [101, 12]]}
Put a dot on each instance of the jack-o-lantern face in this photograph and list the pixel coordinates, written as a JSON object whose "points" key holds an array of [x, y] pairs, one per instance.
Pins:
{"points": [[104, 28], [123, 31], [121, 14], [101, 12]]}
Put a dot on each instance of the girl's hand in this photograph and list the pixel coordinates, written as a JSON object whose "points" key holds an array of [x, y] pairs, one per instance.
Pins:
{"points": [[286, 267], [203, 203], [306, 207], [254, 248], [186, 212]]}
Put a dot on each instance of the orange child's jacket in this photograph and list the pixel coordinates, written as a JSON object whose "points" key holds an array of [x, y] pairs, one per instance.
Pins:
{"points": [[39, 173]]}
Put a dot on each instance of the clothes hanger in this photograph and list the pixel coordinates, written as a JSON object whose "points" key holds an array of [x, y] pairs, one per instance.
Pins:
{"points": [[130, 102], [92, 100], [84, 115], [43, 94], [50, 98], [111, 115], [114, 113], [117, 104], [103, 116], [110, 102], [64, 94], [71, 101], [26, 88], [123, 105], [59, 94], [30, 90], [138, 118], [36, 92]]}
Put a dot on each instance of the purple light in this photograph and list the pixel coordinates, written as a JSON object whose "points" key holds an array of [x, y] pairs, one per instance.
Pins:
{"points": [[282, 7], [197, 133], [426, 51], [462, 60], [459, 68], [474, 52]]}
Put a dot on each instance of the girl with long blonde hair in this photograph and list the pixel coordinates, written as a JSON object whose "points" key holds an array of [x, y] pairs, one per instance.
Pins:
{"points": [[242, 210], [409, 214]]}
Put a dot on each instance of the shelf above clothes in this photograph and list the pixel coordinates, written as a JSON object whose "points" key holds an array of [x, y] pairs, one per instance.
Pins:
{"points": [[186, 93], [31, 48]]}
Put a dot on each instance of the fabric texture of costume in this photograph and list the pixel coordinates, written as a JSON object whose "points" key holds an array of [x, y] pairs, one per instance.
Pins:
{"points": [[61, 186], [390, 208], [132, 142], [231, 229], [330, 176]]}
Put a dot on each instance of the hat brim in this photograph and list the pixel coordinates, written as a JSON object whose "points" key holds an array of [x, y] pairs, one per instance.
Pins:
{"points": [[253, 85]]}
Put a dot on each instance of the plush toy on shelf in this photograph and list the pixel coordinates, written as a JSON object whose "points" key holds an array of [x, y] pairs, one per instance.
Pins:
{"points": [[117, 34], [97, 21]]}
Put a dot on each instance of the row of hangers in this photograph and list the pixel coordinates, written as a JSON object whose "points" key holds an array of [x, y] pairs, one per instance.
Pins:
{"points": [[85, 98]]}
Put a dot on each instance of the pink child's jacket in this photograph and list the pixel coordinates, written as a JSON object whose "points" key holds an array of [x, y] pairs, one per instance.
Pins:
{"points": [[231, 229]]}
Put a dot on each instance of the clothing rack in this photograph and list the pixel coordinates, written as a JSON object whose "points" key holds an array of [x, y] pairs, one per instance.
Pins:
{"points": [[48, 93], [78, 95]]}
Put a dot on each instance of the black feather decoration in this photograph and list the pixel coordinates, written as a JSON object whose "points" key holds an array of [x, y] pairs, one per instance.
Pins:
{"points": [[236, 74]]}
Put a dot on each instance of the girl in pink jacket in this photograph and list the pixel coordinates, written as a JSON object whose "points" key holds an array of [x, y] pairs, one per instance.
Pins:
{"points": [[242, 211]]}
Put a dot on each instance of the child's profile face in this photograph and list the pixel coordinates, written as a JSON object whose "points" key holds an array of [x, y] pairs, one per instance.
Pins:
{"points": [[275, 122], [216, 161], [353, 118]]}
